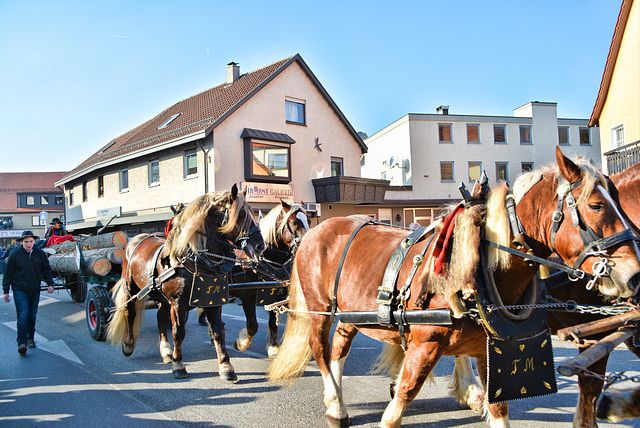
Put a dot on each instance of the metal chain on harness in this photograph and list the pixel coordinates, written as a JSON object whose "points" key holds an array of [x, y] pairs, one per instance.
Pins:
{"points": [[568, 306], [609, 379]]}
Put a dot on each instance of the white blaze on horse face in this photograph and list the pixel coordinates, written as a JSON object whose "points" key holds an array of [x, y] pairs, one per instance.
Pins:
{"points": [[304, 219], [609, 199]]}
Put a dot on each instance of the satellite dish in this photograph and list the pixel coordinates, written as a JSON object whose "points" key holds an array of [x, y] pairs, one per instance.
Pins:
{"points": [[392, 161]]}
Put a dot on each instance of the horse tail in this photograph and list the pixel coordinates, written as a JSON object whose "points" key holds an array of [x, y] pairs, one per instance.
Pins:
{"points": [[117, 328], [294, 353]]}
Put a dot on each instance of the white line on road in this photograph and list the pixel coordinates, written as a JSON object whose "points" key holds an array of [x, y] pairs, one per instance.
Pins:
{"points": [[56, 347]]}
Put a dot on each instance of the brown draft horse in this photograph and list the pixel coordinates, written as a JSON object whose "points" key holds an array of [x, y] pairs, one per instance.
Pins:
{"points": [[315, 267], [625, 189], [282, 230], [201, 232]]}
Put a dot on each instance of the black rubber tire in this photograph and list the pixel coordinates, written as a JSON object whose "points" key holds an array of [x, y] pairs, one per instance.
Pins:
{"points": [[77, 288], [97, 312]]}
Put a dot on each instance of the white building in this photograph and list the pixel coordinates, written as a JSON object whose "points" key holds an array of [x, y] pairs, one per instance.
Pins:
{"points": [[426, 156]]}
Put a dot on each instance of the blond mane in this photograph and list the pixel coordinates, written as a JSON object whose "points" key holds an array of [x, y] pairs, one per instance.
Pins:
{"points": [[189, 228], [271, 228]]}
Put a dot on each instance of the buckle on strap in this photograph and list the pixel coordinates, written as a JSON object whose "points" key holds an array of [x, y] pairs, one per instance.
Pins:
{"points": [[557, 216]]}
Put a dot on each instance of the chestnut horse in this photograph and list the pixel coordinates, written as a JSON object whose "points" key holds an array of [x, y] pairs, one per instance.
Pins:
{"points": [[466, 389], [282, 230], [165, 270], [315, 269]]}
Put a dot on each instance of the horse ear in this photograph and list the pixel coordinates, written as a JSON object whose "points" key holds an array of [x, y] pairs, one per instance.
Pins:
{"points": [[285, 204], [234, 191], [569, 170]]}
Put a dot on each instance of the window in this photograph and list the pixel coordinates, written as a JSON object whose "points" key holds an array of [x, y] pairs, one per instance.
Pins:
{"points": [[31, 200], [124, 180], [617, 136], [100, 186], [502, 171], [44, 200], [294, 112], [336, 167], [422, 216], [154, 172], [527, 166], [446, 171], [444, 132], [475, 171], [84, 191], [71, 197], [190, 163], [563, 135], [473, 134], [500, 134], [59, 200], [585, 137], [270, 161], [168, 121], [525, 134], [35, 220], [384, 215]]}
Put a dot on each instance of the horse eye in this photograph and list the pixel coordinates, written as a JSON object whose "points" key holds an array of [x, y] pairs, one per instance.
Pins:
{"points": [[597, 207]]}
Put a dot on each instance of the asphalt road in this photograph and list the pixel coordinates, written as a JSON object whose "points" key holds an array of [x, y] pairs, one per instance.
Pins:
{"points": [[71, 380]]}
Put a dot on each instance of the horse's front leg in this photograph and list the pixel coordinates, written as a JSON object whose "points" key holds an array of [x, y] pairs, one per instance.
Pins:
{"points": [[590, 389], [245, 337], [341, 345], [272, 339], [129, 343], [163, 317], [178, 319], [498, 413], [419, 360], [225, 369], [465, 387]]}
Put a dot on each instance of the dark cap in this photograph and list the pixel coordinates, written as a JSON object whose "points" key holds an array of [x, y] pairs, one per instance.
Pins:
{"points": [[27, 234], [55, 220]]}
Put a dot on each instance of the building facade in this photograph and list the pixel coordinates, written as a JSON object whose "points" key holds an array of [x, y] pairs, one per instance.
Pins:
{"points": [[275, 130], [28, 201], [617, 108], [426, 156]]}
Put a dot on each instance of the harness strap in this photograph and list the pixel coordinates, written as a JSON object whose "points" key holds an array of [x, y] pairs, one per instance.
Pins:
{"points": [[576, 273], [334, 303], [388, 286]]}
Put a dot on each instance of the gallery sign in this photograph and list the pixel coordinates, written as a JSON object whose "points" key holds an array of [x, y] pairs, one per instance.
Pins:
{"points": [[267, 192]]}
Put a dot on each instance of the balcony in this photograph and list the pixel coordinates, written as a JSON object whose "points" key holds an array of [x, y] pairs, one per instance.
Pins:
{"points": [[623, 157], [355, 190]]}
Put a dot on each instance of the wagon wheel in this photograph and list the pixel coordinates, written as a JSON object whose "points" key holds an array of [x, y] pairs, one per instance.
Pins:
{"points": [[97, 310], [77, 288]]}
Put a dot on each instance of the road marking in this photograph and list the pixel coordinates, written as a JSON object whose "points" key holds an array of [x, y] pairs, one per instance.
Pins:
{"points": [[56, 347]]}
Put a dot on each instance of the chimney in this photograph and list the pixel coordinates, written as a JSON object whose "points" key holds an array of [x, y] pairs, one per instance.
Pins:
{"points": [[233, 72], [442, 110]]}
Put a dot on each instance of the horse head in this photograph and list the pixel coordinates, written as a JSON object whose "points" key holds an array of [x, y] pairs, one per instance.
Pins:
{"points": [[236, 223], [294, 223], [581, 223]]}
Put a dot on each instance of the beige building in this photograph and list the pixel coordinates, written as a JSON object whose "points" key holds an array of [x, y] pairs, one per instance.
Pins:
{"points": [[617, 108], [275, 130], [426, 156]]}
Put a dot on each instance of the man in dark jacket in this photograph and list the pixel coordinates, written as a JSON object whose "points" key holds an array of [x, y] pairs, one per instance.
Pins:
{"points": [[26, 267]]}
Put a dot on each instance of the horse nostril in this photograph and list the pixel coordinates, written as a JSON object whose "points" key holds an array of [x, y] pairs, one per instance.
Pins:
{"points": [[634, 283]]}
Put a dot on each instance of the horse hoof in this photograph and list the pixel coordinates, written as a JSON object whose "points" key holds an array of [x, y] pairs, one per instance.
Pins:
{"points": [[180, 374], [229, 377], [338, 423], [272, 352], [167, 359], [235, 345], [127, 351]]}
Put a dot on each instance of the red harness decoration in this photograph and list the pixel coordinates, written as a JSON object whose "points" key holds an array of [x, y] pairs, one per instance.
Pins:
{"points": [[443, 243], [168, 227]]}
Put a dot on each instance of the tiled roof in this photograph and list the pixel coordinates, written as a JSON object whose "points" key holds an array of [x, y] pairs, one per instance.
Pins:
{"points": [[614, 50], [12, 183], [196, 114]]}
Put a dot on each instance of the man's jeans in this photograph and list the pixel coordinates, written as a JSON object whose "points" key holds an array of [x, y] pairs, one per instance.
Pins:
{"points": [[26, 309]]}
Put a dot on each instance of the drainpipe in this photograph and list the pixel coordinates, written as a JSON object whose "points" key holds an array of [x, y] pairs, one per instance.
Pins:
{"points": [[206, 165]]}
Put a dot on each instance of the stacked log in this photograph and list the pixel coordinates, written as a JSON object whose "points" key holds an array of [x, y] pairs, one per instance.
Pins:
{"points": [[98, 253]]}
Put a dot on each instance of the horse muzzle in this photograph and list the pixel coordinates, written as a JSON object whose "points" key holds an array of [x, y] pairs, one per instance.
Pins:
{"points": [[619, 284]]}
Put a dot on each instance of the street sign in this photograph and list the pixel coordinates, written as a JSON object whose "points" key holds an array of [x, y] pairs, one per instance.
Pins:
{"points": [[43, 218]]}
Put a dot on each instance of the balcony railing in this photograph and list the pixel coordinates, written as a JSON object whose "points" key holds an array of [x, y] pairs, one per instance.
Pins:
{"points": [[623, 157]]}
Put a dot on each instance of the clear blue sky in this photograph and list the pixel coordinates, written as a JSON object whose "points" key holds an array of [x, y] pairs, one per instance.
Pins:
{"points": [[76, 74]]}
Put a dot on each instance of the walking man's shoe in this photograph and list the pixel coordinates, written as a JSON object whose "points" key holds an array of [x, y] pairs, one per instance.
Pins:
{"points": [[22, 349], [31, 343]]}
